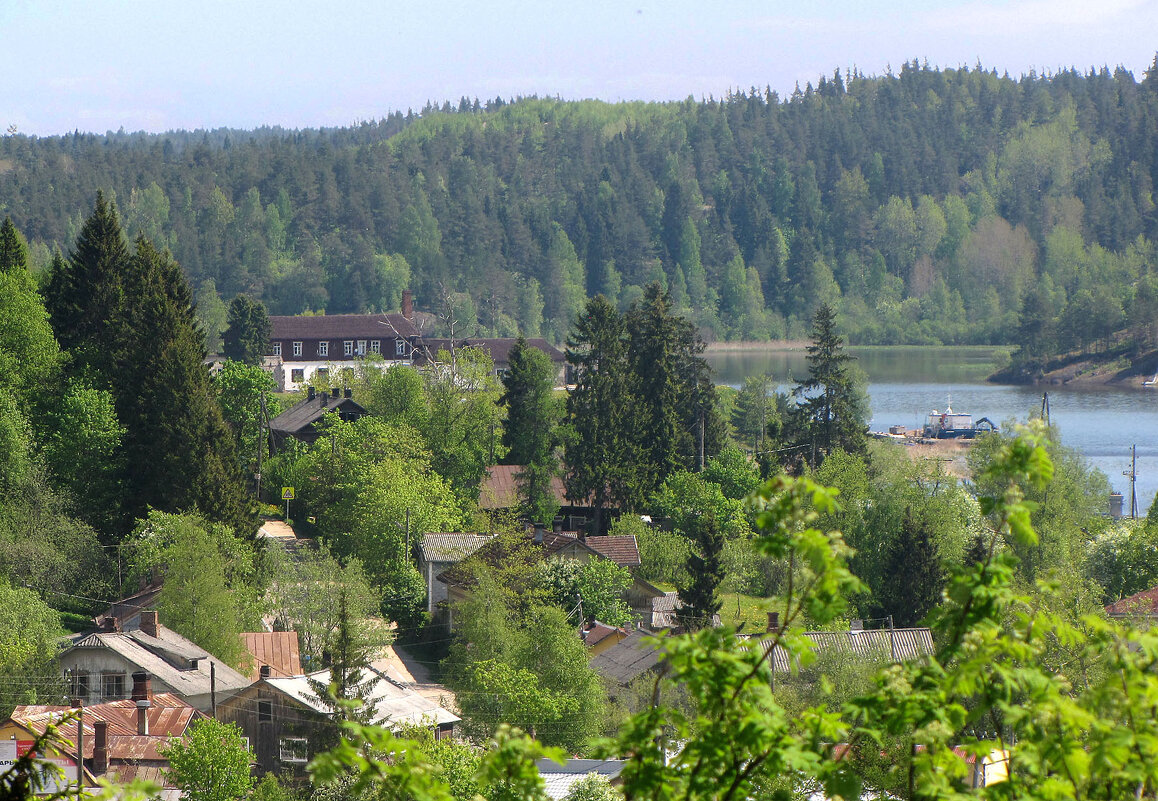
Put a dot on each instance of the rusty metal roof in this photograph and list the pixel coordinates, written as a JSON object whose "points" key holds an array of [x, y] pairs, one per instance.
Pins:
{"points": [[278, 649]]}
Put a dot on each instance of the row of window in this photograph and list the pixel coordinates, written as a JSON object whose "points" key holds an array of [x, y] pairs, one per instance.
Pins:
{"points": [[350, 347], [112, 685]]}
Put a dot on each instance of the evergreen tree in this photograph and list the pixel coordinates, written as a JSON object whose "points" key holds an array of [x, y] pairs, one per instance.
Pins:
{"points": [[916, 575], [349, 688], [247, 332], [830, 409], [700, 599], [530, 434], [13, 253], [600, 454]]}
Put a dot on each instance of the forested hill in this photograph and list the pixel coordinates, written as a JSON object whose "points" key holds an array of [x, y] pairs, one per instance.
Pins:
{"points": [[929, 205]]}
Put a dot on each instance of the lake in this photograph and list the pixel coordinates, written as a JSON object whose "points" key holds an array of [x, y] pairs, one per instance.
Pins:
{"points": [[905, 384]]}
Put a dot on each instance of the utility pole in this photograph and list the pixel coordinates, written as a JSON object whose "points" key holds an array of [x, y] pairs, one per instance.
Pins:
{"points": [[213, 690], [260, 444]]}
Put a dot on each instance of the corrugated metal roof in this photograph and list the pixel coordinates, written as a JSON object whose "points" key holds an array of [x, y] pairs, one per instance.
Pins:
{"points": [[340, 326], [663, 612], [558, 779], [871, 645], [500, 487], [278, 649], [451, 547], [393, 703]]}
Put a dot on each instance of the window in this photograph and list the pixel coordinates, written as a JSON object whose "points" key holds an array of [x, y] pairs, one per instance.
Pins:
{"points": [[361, 347], [294, 749], [375, 346], [323, 348], [297, 375], [277, 349], [264, 711], [112, 686], [348, 347], [323, 375], [78, 684], [297, 349], [400, 347]]}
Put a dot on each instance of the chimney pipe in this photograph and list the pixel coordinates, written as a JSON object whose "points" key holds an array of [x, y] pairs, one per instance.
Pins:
{"points": [[109, 623], [142, 688], [539, 533], [100, 751], [773, 621], [143, 717], [349, 393], [407, 304], [335, 392], [265, 671], [557, 524], [149, 622], [311, 392]]}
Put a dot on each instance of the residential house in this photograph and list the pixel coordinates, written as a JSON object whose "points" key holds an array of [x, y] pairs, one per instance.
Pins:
{"points": [[663, 613], [300, 421], [628, 659], [1141, 605], [598, 637], [559, 779], [499, 350], [122, 740], [439, 552], [98, 663], [499, 491], [287, 723], [304, 348], [623, 550]]}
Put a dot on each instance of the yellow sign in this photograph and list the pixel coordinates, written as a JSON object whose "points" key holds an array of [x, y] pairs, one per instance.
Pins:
{"points": [[287, 493]]}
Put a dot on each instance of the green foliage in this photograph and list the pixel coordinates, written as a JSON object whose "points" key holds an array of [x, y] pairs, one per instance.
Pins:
{"points": [[599, 584], [211, 764], [530, 433], [349, 688], [1123, 559], [686, 498], [28, 649], [240, 388], [592, 787], [700, 597]]}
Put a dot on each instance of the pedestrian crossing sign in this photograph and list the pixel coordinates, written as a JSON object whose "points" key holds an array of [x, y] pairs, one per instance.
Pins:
{"points": [[287, 493]]}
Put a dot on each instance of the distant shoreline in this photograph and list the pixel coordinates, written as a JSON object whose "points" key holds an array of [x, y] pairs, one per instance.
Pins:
{"points": [[749, 345]]}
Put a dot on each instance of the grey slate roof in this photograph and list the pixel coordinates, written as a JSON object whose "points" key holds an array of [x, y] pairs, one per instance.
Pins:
{"points": [[557, 779], [628, 659], [870, 645], [340, 326], [451, 547], [306, 412]]}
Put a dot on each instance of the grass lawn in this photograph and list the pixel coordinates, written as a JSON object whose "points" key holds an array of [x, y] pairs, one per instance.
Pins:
{"points": [[748, 609]]}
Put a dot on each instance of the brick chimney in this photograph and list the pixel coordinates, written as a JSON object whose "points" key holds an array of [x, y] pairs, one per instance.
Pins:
{"points": [[539, 534], [773, 621], [100, 750], [110, 623], [149, 622], [265, 671], [311, 393], [142, 687], [407, 304]]}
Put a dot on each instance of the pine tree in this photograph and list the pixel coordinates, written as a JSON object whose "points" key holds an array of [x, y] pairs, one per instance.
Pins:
{"points": [[13, 253], [530, 432], [915, 574], [830, 409], [700, 599], [247, 333], [600, 454]]}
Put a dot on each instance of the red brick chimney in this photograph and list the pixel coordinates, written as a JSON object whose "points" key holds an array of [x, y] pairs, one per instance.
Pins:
{"points": [[100, 750], [142, 687], [773, 621], [149, 623], [407, 304]]}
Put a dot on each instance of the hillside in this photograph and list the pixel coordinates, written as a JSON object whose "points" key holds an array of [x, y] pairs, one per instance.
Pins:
{"points": [[953, 206]]}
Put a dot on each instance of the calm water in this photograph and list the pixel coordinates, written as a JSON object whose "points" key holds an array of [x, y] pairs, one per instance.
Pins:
{"points": [[905, 384]]}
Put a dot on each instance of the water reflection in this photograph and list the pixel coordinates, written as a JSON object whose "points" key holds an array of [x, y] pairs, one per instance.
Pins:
{"points": [[905, 384]]}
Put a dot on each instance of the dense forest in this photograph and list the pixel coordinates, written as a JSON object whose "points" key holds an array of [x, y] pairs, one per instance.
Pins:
{"points": [[930, 205]]}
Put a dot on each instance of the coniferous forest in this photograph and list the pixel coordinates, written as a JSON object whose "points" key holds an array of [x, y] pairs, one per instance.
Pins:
{"points": [[928, 205]]}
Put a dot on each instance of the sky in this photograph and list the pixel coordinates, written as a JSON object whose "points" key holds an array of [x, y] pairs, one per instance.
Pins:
{"points": [[156, 65]]}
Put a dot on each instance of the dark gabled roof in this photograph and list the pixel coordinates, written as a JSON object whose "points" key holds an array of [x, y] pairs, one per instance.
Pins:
{"points": [[498, 348], [495, 553], [306, 412], [628, 659], [619, 548], [341, 326], [499, 488]]}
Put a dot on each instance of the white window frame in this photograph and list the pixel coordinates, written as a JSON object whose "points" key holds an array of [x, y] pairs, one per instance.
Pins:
{"points": [[277, 349], [297, 349], [361, 347], [348, 347], [375, 346], [323, 348], [286, 750], [400, 347]]}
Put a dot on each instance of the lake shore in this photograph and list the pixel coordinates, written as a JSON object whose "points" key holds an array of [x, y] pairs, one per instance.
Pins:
{"points": [[749, 346]]}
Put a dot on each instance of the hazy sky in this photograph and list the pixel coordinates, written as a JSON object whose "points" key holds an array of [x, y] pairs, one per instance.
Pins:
{"points": [[153, 65]]}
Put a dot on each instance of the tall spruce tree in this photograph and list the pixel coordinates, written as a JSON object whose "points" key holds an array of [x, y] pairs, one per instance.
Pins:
{"points": [[700, 599], [830, 410], [600, 453], [13, 253], [916, 575], [127, 318], [247, 334], [530, 433]]}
